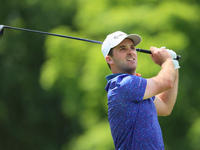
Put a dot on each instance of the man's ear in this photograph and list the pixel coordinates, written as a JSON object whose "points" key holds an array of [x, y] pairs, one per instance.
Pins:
{"points": [[109, 59]]}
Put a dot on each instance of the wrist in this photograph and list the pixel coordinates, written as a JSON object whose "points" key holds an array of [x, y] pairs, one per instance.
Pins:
{"points": [[167, 63]]}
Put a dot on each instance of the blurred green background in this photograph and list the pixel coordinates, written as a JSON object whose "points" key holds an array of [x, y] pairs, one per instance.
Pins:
{"points": [[52, 93]]}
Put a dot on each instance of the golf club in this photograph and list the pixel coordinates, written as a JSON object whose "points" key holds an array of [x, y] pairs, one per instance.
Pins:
{"points": [[2, 27]]}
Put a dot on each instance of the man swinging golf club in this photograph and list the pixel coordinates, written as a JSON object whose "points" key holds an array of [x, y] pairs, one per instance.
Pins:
{"points": [[134, 103]]}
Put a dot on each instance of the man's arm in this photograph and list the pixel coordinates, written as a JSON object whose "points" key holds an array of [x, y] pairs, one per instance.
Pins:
{"points": [[165, 101], [165, 78]]}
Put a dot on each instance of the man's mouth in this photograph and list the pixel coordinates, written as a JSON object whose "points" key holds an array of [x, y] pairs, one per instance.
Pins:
{"points": [[130, 59]]}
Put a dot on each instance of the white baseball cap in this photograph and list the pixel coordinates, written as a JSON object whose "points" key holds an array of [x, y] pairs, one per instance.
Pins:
{"points": [[116, 38]]}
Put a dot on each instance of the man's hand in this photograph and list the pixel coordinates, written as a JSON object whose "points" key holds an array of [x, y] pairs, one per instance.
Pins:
{"points": [[173, 55], [159, 55]]}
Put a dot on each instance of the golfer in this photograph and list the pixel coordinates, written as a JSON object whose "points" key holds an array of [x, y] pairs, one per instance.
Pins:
{"points": [[134, 103]]}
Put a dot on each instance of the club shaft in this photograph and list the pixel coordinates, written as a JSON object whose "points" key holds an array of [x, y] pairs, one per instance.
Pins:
{"points": [[58, 35], [75, 38]]}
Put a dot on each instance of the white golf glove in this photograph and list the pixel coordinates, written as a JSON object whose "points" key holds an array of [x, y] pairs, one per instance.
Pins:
{"points": [[173, 55]]}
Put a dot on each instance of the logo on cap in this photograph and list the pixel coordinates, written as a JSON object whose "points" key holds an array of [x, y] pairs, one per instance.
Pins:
{"points": [[116, 37]]}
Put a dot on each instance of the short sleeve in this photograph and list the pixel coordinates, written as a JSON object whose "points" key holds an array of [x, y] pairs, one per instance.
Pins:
{"points": [[132, 88]]}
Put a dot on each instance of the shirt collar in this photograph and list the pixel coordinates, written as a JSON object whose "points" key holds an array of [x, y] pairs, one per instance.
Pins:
{"points": [[111, 76]]}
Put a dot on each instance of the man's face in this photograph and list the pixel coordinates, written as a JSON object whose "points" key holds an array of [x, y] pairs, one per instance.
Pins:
{"points": [[124, 58]]}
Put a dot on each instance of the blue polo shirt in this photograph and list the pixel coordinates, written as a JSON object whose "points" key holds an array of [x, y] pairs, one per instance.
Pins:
{"points": [[133, 121]]}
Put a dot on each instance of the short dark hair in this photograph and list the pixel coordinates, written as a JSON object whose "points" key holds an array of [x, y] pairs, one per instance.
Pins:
{"points": [[110, 54]]}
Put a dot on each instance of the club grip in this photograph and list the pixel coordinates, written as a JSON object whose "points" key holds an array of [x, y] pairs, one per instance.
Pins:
{"points": [[149, 52]]}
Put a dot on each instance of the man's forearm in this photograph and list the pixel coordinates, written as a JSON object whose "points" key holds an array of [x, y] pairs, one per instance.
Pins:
{"points": [[169, 96], [167, 73], [162, 82]]}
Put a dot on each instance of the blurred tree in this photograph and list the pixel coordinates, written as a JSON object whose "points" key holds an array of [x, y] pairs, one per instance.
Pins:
{"points": [[31, 118]]}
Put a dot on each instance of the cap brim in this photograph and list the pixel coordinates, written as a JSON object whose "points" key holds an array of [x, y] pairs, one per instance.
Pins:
{"points": [[135, 37]]}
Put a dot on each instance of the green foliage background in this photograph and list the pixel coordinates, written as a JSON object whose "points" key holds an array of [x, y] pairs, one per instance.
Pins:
{"points": [[52, 93]]}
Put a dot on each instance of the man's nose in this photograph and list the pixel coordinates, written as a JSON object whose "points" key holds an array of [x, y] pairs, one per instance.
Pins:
{"points": [[130, 50]]}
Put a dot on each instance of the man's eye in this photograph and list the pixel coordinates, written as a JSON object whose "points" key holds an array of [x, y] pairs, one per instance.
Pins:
{"points": [[133, 48]]}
